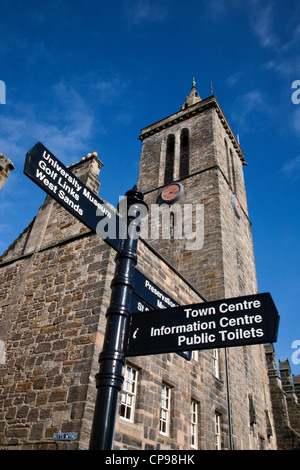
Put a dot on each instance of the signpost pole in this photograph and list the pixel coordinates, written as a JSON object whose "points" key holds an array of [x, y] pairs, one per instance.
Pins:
{"points": [[109, 379], [228, 400]]}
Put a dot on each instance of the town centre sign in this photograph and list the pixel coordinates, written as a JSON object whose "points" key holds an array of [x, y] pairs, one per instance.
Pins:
{"points": [[223, 323], [239, 321]]}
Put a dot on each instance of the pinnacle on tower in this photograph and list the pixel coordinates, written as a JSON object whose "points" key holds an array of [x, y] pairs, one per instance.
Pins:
{"points": [[193, 97]]}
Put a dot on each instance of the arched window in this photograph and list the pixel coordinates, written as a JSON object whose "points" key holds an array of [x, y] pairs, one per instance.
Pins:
{"points": [[233, 172], [184, 154], [228, 162], [169, 168]]}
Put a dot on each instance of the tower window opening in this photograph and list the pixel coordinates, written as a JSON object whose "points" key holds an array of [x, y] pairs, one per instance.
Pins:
{"points": [[184, 154], [169, 168], [233, 172], [228, 162]]}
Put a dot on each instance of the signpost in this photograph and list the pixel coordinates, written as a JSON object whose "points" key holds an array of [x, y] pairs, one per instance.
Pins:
{"points": [[238, 321], [219, 324], [59, 182]]}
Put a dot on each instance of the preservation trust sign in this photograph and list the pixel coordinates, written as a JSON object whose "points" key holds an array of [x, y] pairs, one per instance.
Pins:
{"points": [[232, 322]]}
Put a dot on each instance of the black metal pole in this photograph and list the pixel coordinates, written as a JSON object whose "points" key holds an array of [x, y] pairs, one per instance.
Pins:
{"points": [[228, 400], [109, 379]]}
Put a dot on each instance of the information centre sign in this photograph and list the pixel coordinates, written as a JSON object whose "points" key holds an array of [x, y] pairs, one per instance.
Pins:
{"points": [[238, 321], [58, 181]]}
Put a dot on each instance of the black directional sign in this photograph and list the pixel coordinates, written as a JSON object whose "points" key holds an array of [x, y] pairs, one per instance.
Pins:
{"points": [[147, 296], [58, 181], [139, 305], [238, 321], [153, 295]]}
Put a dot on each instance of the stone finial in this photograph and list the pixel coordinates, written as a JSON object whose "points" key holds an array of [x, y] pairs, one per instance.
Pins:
{"points": [[193, 97]]}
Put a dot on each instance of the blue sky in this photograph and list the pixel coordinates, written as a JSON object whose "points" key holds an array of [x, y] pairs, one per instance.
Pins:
{"points": [[87, 76]]}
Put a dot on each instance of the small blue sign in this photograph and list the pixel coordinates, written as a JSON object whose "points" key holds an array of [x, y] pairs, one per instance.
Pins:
{"points": [[65, 436]]}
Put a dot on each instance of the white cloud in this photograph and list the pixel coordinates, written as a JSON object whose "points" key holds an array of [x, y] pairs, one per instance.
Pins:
{"points": [[247, 106], [234, 78], [283, 43], [66, 124], [292, 167], [141, 11], [295, 120], [262, 23]]}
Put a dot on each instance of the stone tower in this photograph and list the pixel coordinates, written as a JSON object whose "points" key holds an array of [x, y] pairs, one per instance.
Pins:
{"points": [[191, 174], [197, 149]]}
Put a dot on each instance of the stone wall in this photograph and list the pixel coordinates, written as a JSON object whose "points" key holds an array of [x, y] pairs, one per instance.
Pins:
{"points": [[55, 289], [285, 402]]}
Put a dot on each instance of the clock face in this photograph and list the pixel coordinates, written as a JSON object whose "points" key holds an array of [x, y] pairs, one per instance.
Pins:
{"points": [[172, 192], [236, 206]]}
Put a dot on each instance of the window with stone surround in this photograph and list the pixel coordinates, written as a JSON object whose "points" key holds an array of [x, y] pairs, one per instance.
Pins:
{"points": [[165, 410], [128, 396], [195, 355], [2, 352], [216, 367], [217, 431], [184, 167], [233, 171], [194, 424], [228, 162], [170, 156]]}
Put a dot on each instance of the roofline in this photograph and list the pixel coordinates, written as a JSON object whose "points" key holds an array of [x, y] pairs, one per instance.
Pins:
{"points": [[183, 114]]}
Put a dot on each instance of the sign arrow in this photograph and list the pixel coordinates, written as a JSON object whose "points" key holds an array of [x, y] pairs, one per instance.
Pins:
{"points": [[238, 321], [44, 169]]}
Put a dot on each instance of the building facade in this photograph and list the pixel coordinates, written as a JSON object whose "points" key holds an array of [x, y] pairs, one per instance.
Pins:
{"points": [[196, 244]]}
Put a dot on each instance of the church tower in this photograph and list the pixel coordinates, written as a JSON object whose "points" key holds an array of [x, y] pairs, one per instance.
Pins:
{"points": [[191, 174], [192, 167]]}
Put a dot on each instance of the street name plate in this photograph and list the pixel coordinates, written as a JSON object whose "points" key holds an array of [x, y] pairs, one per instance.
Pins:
{"points": [[238, 321], [65, 436], [44, 169]]}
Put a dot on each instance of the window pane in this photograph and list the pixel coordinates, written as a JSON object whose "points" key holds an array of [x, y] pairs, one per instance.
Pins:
{"points": [[128, 394], [165, 409], [194, 424]]}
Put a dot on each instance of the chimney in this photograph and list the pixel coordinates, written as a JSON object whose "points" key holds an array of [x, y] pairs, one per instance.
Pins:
{"points": [[88, 170]]}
